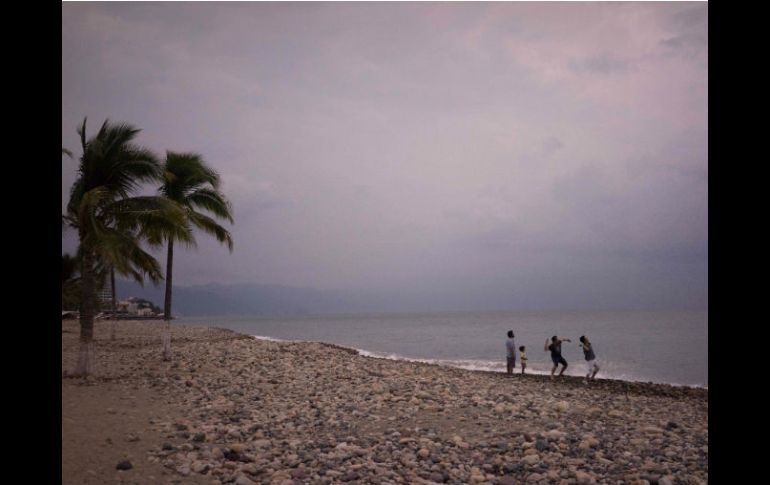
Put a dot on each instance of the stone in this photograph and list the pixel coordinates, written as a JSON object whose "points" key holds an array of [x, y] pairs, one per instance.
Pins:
{"points": [[238, 447], [124, 465], [436, 477], [583, 477], [531, 459], [243, 480]]}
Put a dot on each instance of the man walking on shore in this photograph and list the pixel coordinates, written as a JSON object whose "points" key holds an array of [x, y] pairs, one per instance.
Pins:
{"points": [[556, 356], [510, 348], [588, 352]]}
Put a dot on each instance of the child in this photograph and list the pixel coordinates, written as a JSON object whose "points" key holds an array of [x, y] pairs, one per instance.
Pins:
{"points": [[523, 358]]}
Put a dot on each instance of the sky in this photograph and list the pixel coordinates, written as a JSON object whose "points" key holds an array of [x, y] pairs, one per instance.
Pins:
{"points": [[545, 153]]}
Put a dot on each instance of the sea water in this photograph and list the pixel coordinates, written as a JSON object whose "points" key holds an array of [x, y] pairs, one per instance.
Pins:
{"points": [[647, 346]]}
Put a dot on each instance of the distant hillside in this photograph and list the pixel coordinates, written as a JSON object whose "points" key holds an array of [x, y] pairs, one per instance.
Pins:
{"points": [[246, 299], [258, 299]]}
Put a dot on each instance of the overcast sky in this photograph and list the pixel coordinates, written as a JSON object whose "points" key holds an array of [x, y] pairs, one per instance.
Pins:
{"points": [[552, 152]]}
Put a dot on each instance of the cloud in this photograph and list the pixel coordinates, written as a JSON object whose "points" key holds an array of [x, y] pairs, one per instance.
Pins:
{"points": [[410, 146]]}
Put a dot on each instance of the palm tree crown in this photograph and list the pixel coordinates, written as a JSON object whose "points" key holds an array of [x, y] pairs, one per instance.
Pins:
{"points": [[111, 223], [188, 181]]}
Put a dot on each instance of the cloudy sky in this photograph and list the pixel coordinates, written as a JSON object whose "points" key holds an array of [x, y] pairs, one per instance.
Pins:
{"points": [[549, 152]]}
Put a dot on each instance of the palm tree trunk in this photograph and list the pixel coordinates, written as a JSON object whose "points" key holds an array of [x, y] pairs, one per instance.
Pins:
{"points": [[167, 303], [114, 303], [87, 301]]}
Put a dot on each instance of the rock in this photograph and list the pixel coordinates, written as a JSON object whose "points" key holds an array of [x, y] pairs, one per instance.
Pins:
{"points": [[583, 478], [506, 480], [535, 477], [243, 480], [238, 447], [350, 476], [555, 435], [562, 406], [667, 480], [124, 465], [436, 477], [261, 443], [199, 437], [423, 453], [531, 459]]}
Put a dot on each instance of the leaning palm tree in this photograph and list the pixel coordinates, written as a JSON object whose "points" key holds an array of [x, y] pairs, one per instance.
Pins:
{"points": [[110, 222], [188, 181]]}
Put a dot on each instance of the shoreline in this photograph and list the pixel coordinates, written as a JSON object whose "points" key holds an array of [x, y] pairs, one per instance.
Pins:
{"points": [[233, 409], [438, 362]]}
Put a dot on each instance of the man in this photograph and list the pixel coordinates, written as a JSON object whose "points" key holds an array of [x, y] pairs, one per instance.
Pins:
{"points": [[588, 352], [511, 352], [556, 356]]}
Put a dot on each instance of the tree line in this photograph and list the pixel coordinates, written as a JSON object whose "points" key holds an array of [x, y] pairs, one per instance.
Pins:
{"points": [[114, 225]]}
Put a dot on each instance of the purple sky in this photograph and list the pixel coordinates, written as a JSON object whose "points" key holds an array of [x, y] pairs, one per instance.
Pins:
{"points": [[553, 151]]}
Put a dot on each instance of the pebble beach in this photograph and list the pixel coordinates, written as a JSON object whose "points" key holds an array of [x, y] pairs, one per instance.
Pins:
{"points": [[231, 409]]}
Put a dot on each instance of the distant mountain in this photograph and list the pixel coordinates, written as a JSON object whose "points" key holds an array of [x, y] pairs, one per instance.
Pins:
{"points": [[242, 299], [274, 300]]}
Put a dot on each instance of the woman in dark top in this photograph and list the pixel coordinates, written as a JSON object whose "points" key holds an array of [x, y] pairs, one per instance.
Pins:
{"points": [[556, 356]]}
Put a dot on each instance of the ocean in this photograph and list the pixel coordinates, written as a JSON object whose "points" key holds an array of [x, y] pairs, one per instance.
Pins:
{"points": [[646, 346]]}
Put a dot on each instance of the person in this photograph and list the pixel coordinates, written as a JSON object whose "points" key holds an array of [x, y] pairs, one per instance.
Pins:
{"points": [[556, 356], [523, 358], [588, 352], [510, 348]]}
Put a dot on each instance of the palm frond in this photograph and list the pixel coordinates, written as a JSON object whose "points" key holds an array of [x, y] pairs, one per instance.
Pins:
{"points": [[212, 201], [211, 227]]}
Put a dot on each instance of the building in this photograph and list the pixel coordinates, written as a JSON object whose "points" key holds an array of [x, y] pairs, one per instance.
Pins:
{"points": [[104, 295]]}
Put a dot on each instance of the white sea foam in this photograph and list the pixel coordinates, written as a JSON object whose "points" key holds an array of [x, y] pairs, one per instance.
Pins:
{"points": [[269, 339]]}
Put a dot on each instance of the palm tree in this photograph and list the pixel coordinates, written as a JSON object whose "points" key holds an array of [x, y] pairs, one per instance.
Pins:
{"points": [[188, 181], [111, 223]]}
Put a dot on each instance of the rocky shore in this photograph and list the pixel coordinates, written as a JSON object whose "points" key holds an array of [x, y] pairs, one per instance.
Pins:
{"points": [[232, 409]]}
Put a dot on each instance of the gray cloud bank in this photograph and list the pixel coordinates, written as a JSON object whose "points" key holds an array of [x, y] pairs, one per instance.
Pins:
{"points": [[480, 155]]}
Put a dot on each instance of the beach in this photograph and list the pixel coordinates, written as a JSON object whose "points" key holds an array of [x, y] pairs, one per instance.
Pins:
{"points": [[230, 408]]}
